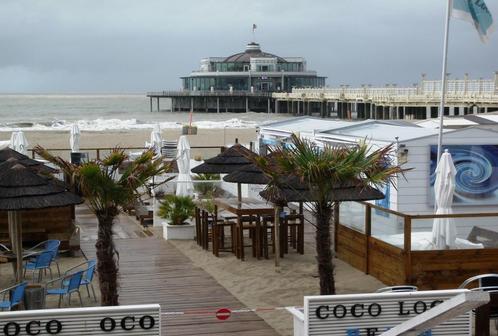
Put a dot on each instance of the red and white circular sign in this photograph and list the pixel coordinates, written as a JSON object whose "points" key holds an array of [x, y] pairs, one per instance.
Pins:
{"points": [[223, 314]]}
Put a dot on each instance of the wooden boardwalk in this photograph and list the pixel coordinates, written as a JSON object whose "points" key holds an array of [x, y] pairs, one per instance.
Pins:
{"points": [[154, 271]]}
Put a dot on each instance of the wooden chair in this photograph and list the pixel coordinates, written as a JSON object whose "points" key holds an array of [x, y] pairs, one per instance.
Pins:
{"points": [[220, 222], [143, 215], [267, 229], [294, 225], [252, 225], [291, 233]]}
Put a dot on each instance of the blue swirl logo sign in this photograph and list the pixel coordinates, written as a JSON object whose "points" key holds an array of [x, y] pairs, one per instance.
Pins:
{"points": [[477, 173]]}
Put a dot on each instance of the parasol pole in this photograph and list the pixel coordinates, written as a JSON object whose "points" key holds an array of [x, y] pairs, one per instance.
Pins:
{"points": [[15, 219], [239, 192], [277, 236], [11, 230]]}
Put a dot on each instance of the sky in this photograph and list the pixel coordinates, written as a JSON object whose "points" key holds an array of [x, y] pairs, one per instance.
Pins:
{"points": [[132, 46]]}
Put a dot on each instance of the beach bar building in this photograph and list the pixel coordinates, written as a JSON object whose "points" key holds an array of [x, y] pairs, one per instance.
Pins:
{"points": [[392, 238]]}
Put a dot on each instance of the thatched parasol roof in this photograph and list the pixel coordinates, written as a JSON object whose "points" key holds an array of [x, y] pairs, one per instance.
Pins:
{"points": [[10, 155], [298, 192], [227, 162], [22, 189], [248, 174], [38, 168]]}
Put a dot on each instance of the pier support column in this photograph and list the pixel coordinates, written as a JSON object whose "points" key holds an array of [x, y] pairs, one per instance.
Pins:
{"points": [[298, 107], [151, 104], [192, 105], [158, 109], [172, 104], [269, 106], [276, 106], [427, 112], [247, 104], [371, 111], [218, 105], [452, 110]]}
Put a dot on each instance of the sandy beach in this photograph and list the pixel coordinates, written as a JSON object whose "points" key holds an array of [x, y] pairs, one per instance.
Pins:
{"points": [[137, 138], [258, 284]]}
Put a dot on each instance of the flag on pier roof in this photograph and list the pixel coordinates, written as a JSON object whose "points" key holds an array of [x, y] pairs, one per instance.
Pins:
{"points": [[254, 27], [475, 12]]}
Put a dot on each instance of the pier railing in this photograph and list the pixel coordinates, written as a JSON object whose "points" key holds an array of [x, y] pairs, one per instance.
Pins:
{"points": [[458, 91], [198, 93]]}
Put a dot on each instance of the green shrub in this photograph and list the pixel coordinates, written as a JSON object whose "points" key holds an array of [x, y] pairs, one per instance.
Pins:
{"points": [[206, 189], [176, 209]]}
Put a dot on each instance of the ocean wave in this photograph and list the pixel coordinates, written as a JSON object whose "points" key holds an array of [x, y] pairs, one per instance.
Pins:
{"points": [[119, 124]]}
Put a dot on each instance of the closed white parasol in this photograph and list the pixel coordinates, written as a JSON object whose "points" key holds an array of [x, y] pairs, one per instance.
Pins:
{"points": [[443, 229], [156, 140], [184, 186], [74, 139], [19, 143]]}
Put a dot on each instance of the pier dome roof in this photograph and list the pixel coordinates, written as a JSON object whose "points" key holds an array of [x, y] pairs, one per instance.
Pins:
{"points": [[252, 50]]}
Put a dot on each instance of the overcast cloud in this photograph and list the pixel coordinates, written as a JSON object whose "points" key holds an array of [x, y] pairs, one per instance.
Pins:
{"points": [[137, 46]]}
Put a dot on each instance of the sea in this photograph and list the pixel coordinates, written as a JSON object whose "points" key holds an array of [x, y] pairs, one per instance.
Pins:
{"points": [[99, 112]]}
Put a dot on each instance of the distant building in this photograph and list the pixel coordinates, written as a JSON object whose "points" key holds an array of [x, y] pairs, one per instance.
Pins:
{"points": [[252, 70], [241, 82]]}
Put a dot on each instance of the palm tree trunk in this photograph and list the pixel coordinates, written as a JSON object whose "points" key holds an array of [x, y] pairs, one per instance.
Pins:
{"points": [[107, 267], [324, 248]]}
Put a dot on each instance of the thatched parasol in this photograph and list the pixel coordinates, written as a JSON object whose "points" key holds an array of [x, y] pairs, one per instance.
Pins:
{"points": [[10, 155], [342, 192], [22, 189], [39, 168], [230, 160], [248, 174]]}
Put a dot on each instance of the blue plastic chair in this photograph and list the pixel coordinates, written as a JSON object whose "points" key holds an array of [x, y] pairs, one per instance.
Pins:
{"points": [[51, 245], [89, 269], [69, 284], [40, 263], [16, 295]]}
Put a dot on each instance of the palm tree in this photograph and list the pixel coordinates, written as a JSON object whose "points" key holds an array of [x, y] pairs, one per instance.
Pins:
{"points": [[321, 171], [106, 193]]}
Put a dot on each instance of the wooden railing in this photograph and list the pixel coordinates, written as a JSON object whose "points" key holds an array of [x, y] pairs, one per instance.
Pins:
{"points": [[366, 248], [409, 218], [99, 150]]}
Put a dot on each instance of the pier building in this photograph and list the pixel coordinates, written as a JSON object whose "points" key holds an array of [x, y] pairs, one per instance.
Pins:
{"points": [[241, 82]]}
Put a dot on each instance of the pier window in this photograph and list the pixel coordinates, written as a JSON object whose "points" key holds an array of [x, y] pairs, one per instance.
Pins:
{"points": [[230, 66], [290, 67]]}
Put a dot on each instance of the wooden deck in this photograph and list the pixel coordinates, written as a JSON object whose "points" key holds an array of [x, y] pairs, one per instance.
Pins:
{"points": [[154, 271]]}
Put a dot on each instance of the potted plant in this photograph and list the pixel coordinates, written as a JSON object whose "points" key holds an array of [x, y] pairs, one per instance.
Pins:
{"points": [[177, 210]]}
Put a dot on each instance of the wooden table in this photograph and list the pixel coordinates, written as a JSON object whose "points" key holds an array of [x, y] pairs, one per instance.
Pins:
{"points": [[11, 257], [246, 207]]}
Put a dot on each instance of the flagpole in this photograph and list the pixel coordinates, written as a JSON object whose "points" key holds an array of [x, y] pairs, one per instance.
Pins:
{"points": [[443, 81]]}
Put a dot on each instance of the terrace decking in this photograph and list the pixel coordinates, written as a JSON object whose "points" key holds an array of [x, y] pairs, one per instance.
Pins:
{"points": [[154, 271]]}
